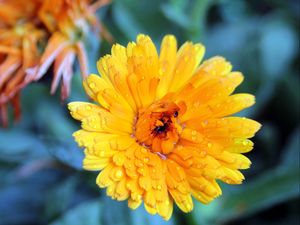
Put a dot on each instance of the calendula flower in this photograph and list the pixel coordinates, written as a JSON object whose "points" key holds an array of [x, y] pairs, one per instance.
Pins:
{"points": [[19, 38], [69, 23], [27, 26], [161, 130]]}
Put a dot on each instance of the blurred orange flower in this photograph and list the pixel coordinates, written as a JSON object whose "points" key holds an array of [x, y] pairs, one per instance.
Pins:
{"points": [[25, 26]]}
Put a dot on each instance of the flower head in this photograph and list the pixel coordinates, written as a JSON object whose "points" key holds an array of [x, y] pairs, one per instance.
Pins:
{"points": [[26, 26], [19, 37], [68, 23], [161, 130]]}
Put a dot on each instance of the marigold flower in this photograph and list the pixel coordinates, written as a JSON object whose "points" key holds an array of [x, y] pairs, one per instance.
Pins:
{"points": [[161, 130], [19, 38], [69, 22], [26, 26]]}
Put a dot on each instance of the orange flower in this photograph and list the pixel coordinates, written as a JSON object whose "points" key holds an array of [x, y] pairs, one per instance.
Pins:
{"points": [[18, 50], [161, 130], [68, 22], [24, 24]]}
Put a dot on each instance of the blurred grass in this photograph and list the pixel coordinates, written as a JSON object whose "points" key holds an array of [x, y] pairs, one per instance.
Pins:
{"points": [[40, 165]]}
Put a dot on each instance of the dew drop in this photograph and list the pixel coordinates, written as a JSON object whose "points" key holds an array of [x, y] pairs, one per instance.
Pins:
{"points": [[158, 187], [197, 48], [209, 145], [146, 159], [204, 123], [119, 173], [179, 147], [194, 132], [203, 153], [92, 85], [228, 181], [196, 104], [88, 107], [245, 142], [188, 206], [109, 191], [198, 166]]}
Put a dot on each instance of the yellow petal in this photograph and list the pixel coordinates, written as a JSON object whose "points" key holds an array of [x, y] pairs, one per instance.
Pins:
{"points": [[188, 58]]}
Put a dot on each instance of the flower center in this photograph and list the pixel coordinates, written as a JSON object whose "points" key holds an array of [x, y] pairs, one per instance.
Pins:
{"points": [[157, 127]]}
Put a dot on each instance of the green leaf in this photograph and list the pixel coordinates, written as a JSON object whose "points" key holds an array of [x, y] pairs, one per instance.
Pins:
{"points": [[17, 145], [278, 46], [121, 212], [134, 17], [87, 213], [23, 197], [126, 21], [59, 197], [67, 153], [176, 15], [291, 152]]}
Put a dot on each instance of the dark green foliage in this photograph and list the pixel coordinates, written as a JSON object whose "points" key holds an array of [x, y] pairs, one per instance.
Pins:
{"points": [[40, 164]]}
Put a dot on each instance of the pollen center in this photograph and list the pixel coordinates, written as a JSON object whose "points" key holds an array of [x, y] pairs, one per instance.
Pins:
{"points": [[157, 127]]}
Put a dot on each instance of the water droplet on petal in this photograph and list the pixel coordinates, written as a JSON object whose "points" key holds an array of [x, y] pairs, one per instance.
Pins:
{"points": [[245, 142], [119, 173], [204, 123], [188, 206], [196, 104], [92, 85], [203, 153]]}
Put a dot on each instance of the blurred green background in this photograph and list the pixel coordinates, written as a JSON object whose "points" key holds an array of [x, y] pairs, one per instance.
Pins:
{"points": [[40, 164]]}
